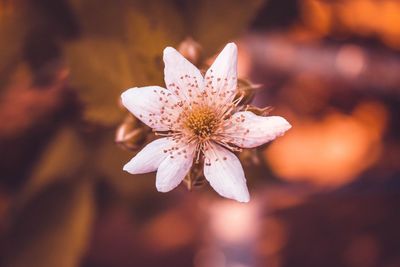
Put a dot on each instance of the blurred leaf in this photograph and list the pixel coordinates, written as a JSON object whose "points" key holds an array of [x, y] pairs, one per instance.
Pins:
{"points": [[53, 229], [105, 19], [121, 48], [122, 44], [99, 72], [215, 22], [151, 26], [110, 160], [62, 158]]}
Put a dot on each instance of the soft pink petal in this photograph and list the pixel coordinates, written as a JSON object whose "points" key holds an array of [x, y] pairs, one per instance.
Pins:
{"points": [[175, 166], [221, 78], [155, 106], [181, 76], [150, 157], [225, 173], [247, 130]]}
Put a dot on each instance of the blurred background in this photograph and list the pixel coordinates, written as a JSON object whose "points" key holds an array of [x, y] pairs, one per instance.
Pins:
{"points": [[326, 194]]}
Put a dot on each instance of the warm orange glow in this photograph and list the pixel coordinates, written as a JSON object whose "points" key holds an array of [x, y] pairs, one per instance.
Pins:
{"points": [[368, 18], [6, 8], [332, 151], [317, 15]]}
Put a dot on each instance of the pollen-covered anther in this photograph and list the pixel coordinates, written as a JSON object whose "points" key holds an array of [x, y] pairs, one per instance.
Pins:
{"points": [[202, 122]]}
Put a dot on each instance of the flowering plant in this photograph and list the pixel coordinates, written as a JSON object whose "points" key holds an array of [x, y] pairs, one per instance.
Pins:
{"points": [[201, 122]]}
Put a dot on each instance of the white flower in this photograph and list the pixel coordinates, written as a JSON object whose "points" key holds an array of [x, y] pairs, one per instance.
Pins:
{"points": [[199, 118]]}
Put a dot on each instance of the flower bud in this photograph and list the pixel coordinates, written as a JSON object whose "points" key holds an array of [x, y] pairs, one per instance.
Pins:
{"points": [[132, 134]]}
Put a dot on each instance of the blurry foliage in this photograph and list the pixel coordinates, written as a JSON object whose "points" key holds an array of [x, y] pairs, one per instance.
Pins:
{"points": [[53, 229], [205, 23], [108, 160], [63, 66], [121, 48], [116, 45], [122, 44], [63, 157], [99, 69]]}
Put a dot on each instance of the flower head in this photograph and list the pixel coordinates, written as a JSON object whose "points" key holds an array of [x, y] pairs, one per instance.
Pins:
{"points": [[199, 119]]}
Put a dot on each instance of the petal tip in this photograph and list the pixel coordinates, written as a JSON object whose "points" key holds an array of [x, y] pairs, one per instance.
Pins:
{"points": [[244, 198], [130, 167], [231, 45], [169, 50], [282, 123], [162, 189], [286, 124], [127, 169], [125, 94]]}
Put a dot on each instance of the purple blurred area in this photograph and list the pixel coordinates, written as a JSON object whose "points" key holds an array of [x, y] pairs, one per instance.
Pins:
{"points": [[325, 194]]}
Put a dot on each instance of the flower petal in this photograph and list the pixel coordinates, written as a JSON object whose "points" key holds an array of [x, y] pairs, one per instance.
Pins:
{"points": [[225, 173], [155, 106], [149, 158], [247, 130], [181, 76], [175, 166], [221, 78]]}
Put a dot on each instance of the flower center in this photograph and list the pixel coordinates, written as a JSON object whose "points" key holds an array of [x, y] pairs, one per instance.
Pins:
{"points": [[202, 122]]}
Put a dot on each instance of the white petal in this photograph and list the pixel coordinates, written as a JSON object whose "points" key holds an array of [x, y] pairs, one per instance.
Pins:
{"points": [[155, 106], [181, 76], [221, 78], [248, 130], [174, 167], [150, 157], [225, 173]]}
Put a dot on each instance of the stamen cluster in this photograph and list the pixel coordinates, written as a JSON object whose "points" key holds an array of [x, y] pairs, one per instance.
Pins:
{"points": [[202, 122]]}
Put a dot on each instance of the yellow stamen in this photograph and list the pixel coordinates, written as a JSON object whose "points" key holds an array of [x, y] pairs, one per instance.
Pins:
{"points": [[202, 122]]}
